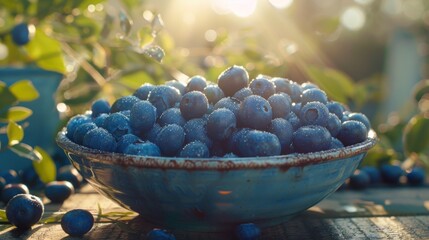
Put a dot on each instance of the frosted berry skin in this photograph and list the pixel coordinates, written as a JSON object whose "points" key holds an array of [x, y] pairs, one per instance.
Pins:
{"points": [[126, 140], [221, 123], [170, 139], [124, 103], [143, 91], [178, 85], [196, 130], [255, 112], [196, 83], [311, 138], [243, 93], [263, 87], [163, 98], [233, 79], [195, 149], [213, 93], [193, 105], [24, 210], [100, 139], [289, 87], [313, 95], [255, 143], [281, 105], [360, 117], [333, 124], [77, 222], [171, 116], [230, 103], [314, 113], [142, 116], [81, 130], [117, 124], [74, 123], [143, 149], [352, 132], [284, 132]]}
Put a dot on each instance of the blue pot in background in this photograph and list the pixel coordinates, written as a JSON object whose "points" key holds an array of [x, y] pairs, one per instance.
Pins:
{"points": [[43, 123]]}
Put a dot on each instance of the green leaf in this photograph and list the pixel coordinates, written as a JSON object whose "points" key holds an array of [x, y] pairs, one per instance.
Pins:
{"points": [[45, 168], [3, 214], [24, 91], [416, 138], [26, 151], [46, 52], [7, 98], [16, 114], [336, 84], [135, 80], [15, 133]]}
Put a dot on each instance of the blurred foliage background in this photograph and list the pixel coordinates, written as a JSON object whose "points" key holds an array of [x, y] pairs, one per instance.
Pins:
{"points": [[371, 55]]}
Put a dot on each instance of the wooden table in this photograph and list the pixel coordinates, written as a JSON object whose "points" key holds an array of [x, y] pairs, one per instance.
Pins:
{"points": [[382, 212]]}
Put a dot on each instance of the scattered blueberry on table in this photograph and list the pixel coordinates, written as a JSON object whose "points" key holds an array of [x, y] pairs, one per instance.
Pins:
{"points": [[77, 222], [159, 234], [24, 210], [247, 231]]}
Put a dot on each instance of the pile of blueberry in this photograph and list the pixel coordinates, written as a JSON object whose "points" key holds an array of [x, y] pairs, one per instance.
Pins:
{"points": [[233, 118]]}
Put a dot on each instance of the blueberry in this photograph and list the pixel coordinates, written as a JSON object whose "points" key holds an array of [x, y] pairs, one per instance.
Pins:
{"points": [[284, 131], [335, 143], [170, 139], [314, 113], [359, 180], [281, 105], [262, 86], [100, 120], [30, 178], [163, 98], [99, 106], [70, 174], [296, 108], [255, 112], [416, 176], [24, 210], [11, 190], [230, 103], [230, 155], [124, 103], [333, 124], [152, 133], [196, 83], [80, 132], [221, 124], [255, 143], [195, 130], [247, 231], [294, 120], [352, 132], [311, 138], [142, 116], [213, 93], [391, 173], [243, 93], [143, 149], [360, 117], [159, 234], [117, 124], [58, 191], [10, 176], [194, 104], [195, 149], [233, 79], [336, 108], [308, 85], [77, 222], [314, 95], [143, 91], [21, 34], [291, 88], [74, 122], [100, 139], [126, 140], [373, 172], [232, 142], [178, 85]]}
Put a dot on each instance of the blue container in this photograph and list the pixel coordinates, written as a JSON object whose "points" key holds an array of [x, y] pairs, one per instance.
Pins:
{"points": [[44, 122]]}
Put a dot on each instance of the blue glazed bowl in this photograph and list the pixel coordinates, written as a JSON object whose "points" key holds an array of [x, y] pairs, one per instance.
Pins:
{"points": [[216, 194]]}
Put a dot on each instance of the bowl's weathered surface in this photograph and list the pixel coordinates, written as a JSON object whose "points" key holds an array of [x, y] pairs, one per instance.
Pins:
{"points": [[216, 194]]}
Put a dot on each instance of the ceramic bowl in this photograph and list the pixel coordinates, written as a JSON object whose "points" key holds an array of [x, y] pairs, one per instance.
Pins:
{"points": [[216, 194]]}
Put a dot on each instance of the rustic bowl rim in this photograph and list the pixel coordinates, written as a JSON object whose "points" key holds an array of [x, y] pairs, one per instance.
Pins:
{"points": [[282, 162]]}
